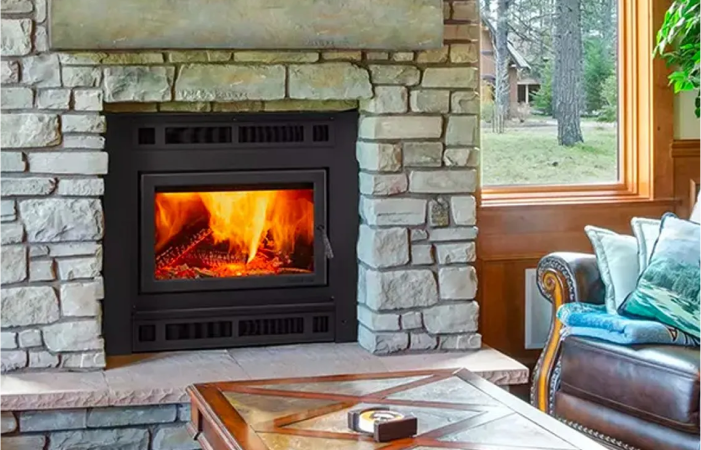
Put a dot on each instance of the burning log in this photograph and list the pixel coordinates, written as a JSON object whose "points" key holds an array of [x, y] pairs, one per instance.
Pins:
{"points": [[176, 252], [210, 257]]}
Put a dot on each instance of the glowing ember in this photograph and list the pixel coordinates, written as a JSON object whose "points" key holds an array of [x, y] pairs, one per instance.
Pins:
{"points": [[233, 234]]}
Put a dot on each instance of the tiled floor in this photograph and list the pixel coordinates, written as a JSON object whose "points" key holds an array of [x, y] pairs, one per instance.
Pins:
{"points": [[163, 377]]}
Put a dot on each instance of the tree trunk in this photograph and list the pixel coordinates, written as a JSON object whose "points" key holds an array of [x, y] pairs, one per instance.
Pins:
{"points": [[501, 89], [567, 78]]}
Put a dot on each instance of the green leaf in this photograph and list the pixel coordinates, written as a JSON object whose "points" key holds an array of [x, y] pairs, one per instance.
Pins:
{"points": [[677, 42]]}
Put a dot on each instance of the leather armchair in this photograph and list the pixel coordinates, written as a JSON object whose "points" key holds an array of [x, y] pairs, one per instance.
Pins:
{"points": [[641, 397]]}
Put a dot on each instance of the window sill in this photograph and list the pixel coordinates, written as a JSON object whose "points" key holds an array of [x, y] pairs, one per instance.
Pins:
{"points": [[564, 195]]}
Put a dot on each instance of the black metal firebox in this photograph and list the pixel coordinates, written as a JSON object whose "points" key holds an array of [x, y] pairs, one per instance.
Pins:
{"points": [[229, 230]]}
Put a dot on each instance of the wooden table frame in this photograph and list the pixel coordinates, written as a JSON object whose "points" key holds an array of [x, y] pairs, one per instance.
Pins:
{"points": [[216, 424]]}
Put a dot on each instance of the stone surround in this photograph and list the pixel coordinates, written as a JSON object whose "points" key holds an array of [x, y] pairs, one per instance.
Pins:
{"points": [[159, 427], [417, 153]]}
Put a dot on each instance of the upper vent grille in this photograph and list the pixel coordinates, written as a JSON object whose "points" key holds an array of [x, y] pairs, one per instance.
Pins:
{"points": [[198, 135], [234, 134], [147, 136], [259, 134], [320, 133]]}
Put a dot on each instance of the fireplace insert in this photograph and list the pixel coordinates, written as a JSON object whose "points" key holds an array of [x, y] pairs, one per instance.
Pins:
{"points": [[229, 230]]}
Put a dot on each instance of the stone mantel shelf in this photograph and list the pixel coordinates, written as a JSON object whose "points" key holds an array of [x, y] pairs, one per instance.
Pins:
{"points": [[162, 378], [249, 24]]}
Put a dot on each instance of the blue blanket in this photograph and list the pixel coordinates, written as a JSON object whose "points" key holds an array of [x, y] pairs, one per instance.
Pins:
{"points": [[582, 319]]}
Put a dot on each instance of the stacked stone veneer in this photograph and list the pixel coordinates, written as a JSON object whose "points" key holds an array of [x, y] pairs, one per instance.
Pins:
{"points": [[417, 152], [160, 427]]}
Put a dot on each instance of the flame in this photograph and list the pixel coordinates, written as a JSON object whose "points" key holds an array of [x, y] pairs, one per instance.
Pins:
{"points": [[244, 220], [174, 210], [239, 218]]}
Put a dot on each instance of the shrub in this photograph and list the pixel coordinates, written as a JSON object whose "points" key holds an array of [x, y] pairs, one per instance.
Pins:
{"points": [[598, 66], [609, 93], [543, 99], [487, 111]]}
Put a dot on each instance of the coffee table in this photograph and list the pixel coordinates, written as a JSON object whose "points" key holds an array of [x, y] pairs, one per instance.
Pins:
{"points": [[455, 409]]}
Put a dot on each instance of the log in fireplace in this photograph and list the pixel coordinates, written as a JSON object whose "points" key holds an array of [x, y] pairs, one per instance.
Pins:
{"points": [[229, 230]]}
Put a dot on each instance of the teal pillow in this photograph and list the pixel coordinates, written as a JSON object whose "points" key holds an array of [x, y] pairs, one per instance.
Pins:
{"points": [[668, 289]]}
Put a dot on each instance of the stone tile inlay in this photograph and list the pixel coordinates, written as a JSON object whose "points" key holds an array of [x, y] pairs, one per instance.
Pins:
{"points": [[417, 154]]}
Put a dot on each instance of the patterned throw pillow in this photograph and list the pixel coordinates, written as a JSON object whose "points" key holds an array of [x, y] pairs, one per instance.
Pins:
{"points": [[668, 289], [617, 259], [696, 213]]}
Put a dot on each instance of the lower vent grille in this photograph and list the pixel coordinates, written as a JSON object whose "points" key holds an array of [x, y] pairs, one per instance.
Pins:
{"points": [[198, 330], [271, 327], [320, 324], [233, 332]]}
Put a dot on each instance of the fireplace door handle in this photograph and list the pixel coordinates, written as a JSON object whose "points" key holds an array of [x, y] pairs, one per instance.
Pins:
{"points": [[327, 242]]}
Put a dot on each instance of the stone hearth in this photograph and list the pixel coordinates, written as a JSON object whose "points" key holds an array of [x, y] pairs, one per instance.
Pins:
{"points": [[140, 401], [416, 150]]}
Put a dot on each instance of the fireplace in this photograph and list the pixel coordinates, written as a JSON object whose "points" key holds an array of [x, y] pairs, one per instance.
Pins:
{"points": [[233, 230], [238, 229], [93, 165]]}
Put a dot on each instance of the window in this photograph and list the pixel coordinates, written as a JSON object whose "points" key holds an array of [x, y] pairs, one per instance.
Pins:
{"points": [[571, 116]]}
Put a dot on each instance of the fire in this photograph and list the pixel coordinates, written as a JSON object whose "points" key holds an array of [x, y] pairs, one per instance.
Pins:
{"points": [[233, 233]]}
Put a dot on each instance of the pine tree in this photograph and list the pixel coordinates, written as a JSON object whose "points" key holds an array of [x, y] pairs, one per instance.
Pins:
{"points": [[501, 90], [567, 79]]}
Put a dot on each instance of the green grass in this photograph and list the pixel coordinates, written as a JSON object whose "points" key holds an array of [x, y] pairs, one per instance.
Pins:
{"points": [[532, 156]]}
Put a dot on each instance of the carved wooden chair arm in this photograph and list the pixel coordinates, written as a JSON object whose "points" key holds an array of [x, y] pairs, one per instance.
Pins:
{"points": [[562, 278]]}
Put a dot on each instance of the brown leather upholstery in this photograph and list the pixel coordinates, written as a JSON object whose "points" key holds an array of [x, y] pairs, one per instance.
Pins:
{"points": [[631, 397], [627, 429], [657, 383]]}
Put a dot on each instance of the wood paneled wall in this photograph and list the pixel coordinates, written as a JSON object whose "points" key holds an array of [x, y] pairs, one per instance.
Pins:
{"points": [[685, 154]]}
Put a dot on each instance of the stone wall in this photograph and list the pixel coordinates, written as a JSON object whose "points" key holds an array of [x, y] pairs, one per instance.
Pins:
{"points": [[159, 427], [417, 153]]}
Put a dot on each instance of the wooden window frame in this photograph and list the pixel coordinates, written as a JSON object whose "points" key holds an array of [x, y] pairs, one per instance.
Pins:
{"points": [[645, 126]]}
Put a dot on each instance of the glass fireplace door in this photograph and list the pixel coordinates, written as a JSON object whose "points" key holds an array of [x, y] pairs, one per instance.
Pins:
{"points": [[232, 230]]}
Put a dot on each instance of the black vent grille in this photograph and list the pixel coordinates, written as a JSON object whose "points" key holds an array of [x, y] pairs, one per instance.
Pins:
{"points": [[235, 134], [320, 133], [198, 330], [259, 134], [147, 333], [233, 331], [271, 327], [198, 135], [320, 324], [147, 136]]}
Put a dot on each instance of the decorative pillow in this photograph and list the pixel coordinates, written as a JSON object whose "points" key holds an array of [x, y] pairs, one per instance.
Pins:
{"points": [[617, 258], [668, 289], [696, 212], [646, 231]]}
